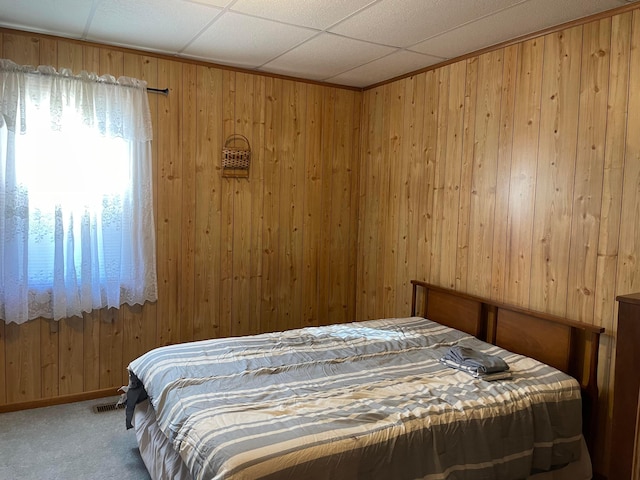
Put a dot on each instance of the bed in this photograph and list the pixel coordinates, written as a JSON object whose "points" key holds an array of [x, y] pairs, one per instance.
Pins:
{"points": [[372, 400]]}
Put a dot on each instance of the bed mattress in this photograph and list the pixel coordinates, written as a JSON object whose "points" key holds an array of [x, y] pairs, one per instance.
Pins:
{"points": [[363, 400], [163, 462]]}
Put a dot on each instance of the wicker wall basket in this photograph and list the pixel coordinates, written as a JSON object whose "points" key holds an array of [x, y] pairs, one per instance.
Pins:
{"points": [[236, 157]]}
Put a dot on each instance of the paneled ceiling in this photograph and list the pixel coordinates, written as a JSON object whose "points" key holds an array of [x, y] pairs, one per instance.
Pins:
{"points": [[348, 42]]}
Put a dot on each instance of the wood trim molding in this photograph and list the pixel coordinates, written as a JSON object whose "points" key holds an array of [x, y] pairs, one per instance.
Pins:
{"points": [[48, 402]]}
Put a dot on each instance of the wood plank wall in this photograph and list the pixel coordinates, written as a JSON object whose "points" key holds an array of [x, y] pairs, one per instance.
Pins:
{"points": [[513, 175], [234, 256]]}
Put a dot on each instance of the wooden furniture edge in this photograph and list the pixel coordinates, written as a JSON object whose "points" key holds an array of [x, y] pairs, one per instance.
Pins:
{"points": [[48, 402], [626, 389], [545, 316]]}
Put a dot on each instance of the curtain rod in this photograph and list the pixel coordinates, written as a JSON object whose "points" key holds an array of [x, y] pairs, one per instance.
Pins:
{"points": [[50, 71], [164, 91]]}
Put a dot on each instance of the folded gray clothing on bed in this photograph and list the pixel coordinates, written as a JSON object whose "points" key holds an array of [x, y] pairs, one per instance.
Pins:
{"points": [[502, 375], [475, 361]]}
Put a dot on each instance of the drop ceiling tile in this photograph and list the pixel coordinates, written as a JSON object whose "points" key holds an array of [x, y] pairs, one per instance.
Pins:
{"points": [[318, 14], [325, 56], [245, 41], [402, 23], [396, 64], [149, 24], [63, 17], [529, 17]]}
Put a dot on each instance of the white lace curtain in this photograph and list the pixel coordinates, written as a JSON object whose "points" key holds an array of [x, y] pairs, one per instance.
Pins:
{"points": [[76, 207]]}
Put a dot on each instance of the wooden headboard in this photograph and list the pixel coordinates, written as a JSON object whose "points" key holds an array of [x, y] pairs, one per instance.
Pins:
{"points": [[565, 344]]}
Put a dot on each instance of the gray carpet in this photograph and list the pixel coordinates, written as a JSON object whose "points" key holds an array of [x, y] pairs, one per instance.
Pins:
{"points": [[69, 442]]}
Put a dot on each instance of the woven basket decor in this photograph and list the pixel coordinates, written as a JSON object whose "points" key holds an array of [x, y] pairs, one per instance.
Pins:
{"points": [[236, 156]]}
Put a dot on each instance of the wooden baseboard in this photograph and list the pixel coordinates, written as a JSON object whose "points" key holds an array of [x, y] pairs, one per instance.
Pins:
{"points": [[47, 402]]}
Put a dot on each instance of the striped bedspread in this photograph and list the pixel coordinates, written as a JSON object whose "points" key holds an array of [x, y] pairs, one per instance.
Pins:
{"points": [[367, 400]]}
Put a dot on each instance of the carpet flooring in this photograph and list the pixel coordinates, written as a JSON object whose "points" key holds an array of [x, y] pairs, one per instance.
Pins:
{"points": [[69, 442]]}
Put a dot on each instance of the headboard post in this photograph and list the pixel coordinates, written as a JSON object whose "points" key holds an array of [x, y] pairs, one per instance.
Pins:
{"points": [[413, 299]]}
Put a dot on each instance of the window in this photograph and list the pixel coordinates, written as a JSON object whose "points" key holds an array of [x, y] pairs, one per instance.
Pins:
{"points": [[76, 207]]}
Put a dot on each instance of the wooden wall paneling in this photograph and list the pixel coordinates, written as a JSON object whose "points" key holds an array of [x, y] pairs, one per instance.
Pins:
{"points": [[371, 179], [257, 182], [614, 155], [312, 219], [132, 317], [286, 205], [405, 234], [390, 195], [484, 173], [71, 330], [297, 196], [523, 172], [243, 321], [354, 186], [188, 212], [342, 209], [270, 313], [326, 204], [70, 55], [440, 164], [23, 342], [169, 219], [411, 172], [48, 53], [208, 214], [587, 198], [91, 367], [363, 185], [22, 350], [139, 332], [50, 329], [452, 175], [383, 192], [21, 49], [605, 313], [49, 357], [111, 328], [628, 279], [292, 201], [150, 74], [556, 170], [227, 199], [110, 348], [503, 171], [426, 184], [376, 202], [466, 174]]}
